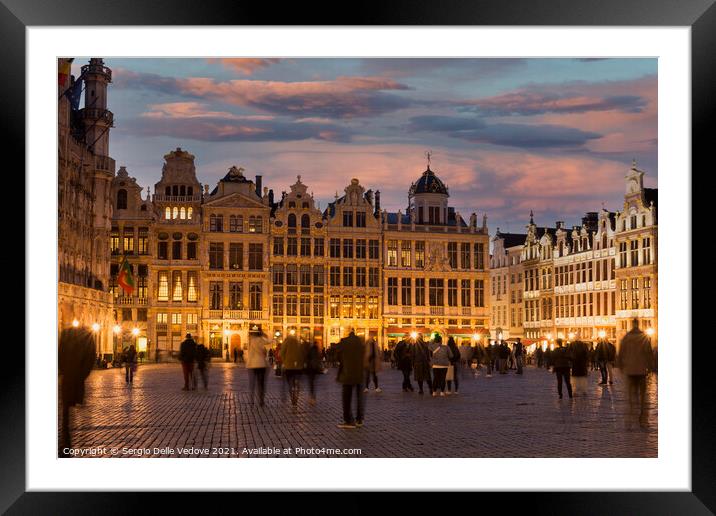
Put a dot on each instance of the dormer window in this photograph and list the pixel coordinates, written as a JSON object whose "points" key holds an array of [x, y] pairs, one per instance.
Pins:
{"points": [[122, 199]]}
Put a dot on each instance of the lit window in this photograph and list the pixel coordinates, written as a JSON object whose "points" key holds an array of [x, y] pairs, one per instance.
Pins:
{"points": [[168, 213], [175, 212], [182, 213], [189, 213]]}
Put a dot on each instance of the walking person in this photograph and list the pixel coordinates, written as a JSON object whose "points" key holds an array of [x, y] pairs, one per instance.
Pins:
{"points": [[420, 357], [257, 364], [293, 362], [130, 364], [580, 367], [465, 354], [611, 360], [540, 356], [602, 356], [372, 358], [490, 357], [562, 362], [519, 351], [503, 353], [454, 369], [187, 355], [441, 361], [636, 360], [313, 367], [202, 365], [350, 354], [236, 354], [401, 355], [75, 357]]}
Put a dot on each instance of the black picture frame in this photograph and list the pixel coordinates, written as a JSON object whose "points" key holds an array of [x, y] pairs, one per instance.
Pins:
{"points": [[700, 15]]}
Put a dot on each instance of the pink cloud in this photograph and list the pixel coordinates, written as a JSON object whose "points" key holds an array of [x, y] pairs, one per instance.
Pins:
{"points": [[245, 65]]}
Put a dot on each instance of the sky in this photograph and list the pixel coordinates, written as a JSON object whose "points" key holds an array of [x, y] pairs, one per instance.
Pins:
{"points": [[507, 136]]}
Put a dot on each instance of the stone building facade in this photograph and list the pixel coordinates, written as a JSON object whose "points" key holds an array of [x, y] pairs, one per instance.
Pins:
{"points": [[506, 286]]}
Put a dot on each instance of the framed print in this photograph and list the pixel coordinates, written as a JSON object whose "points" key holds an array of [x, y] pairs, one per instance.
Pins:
{"points": [[432, 245]]}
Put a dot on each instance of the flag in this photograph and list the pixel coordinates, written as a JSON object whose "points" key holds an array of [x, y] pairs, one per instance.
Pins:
{"points": [[125, 278], [63, 72], [74, 93]]}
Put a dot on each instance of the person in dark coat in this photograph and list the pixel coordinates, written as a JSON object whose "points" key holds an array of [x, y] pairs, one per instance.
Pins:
{"points": [[503, 353], [420, 356], [293, 363], [75, 358], [455, 363], [561, 361], [580, 366], [202, 364], [401, 355], [540, 356], [519, 350], [130, 364], [602, 356], [313, 367], [350, 353], [187, 355]]}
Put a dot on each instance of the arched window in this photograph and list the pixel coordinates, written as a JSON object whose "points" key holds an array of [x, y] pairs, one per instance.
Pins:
{"points": [[122, 199], [175, 212], [291, 220], [182, 190], [175, 190], [190, 191], [305, 221], [189, 213], [604, 241], [632, 222], [168, 191], [168, 213], [305, 205], [182, 213], [561, 248]]}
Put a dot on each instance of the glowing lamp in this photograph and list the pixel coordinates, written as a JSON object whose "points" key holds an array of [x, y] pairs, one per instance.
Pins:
{"points": [[549, 336], [292, 331], [75, 323], [95, 327], [227, 332], [135, 331], [117, 328], [602, 334], [650, 331], [476, 336], [277, 334], [571, 335], [413, 335], [551, 347]]}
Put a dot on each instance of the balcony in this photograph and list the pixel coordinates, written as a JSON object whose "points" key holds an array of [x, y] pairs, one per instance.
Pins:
{"points": [[104, 115], [437, 310], [177, 198]]}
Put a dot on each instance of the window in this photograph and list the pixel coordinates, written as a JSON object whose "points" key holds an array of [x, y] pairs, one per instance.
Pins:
{"points": [[347, 307], [192, 294], [360, 219], [479, 252], [161, 318], [216, 255], [122, 199], [465, 255], [632, 222], [436, 288], [480, 292], [256, 224], [634, 248], [420, 254], [372, 307], [114, 241], [142, 314], [236, 296], [163, 286], [142, 284], [452, 292], [277, 306], [374, 249], [405, 291], [189, 214], [236, 223], [434, 214], [347, 276], [405, 249], [216, 223], [128, 244], [177, 287], [292, 246], [333, 307], [392, 253], [392, 291], [305, 247], [256, 257], [360, 249], [623, 295], [318, 247], [292, 306], [278, 246], [420, 291], [317, 306], [347, 219], [176, 250], [278, 277], [182, 213], [191, 251], [622, 254], [335, 276], [216, 294], [318, 278], [236, 256], [646, 251], [305, 305], [305, 223], [126, 314], [646, 288], [373, 277], [335, 248], [635, 293], [255, 296], [291, 220], [305, 275], [167, 213], [191, 319], [347, 248], [360, 277], [143, 241], [360, 307], [465, 292]]}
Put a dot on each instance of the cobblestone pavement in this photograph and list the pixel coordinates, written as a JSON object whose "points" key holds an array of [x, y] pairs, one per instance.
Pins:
{"points": [[503, 416]]}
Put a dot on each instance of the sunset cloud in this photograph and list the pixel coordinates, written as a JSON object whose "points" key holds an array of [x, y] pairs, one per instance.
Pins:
{"points": [[245, 65]]}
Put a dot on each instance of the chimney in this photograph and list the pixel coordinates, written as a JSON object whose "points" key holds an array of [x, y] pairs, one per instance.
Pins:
{"points": [[377, 203], [258, 185]]}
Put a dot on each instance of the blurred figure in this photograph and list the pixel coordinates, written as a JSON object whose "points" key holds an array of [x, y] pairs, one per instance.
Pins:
{"points": [[401, 355], [130, 364], [562, 362], [74, 359], [503, 353], [602, 357], [519, 351], [236, 354], [350, 353], [465, 353], [453, 370], [580, 367], [202, 365], [293, 362], [490, 358], [441, 361], [313, 367], [420, 357], [539, 353], [187, 355], [636, 360], [372, 359], [256, 363]]}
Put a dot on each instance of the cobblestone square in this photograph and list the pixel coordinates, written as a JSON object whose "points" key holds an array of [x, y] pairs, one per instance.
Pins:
{"points": [[503, 416]]}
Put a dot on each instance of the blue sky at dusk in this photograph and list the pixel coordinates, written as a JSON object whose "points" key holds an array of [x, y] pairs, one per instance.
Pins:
{"points": [[507, 135]]}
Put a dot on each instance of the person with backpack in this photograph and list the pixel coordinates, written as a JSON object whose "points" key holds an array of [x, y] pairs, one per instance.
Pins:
{"points": [[453, 370], [202, 365]]}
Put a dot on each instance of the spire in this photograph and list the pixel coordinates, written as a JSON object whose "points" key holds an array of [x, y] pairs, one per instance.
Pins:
{"points": [[532, 220], [633, 163], [428, 155]]}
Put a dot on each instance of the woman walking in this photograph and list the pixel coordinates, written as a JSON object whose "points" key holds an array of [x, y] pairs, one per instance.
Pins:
{"points": [[441, 361], [420, 356], [454, 365]]}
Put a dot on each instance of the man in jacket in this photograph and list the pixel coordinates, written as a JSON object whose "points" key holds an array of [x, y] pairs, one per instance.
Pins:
{"points": [[350, 353], [187, 355], [602, 352], [562, 361], [636, 360], [293, 362], [519, 355], [404, 362]]}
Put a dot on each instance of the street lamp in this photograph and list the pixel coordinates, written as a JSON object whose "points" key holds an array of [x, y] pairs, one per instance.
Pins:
{"points": [[414, 335], [95, 327], [571, 335], [602, 334], [75, 323], [650, 332]]}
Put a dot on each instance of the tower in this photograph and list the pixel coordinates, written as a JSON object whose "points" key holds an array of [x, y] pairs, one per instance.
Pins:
{"points": [[96, 118]]}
